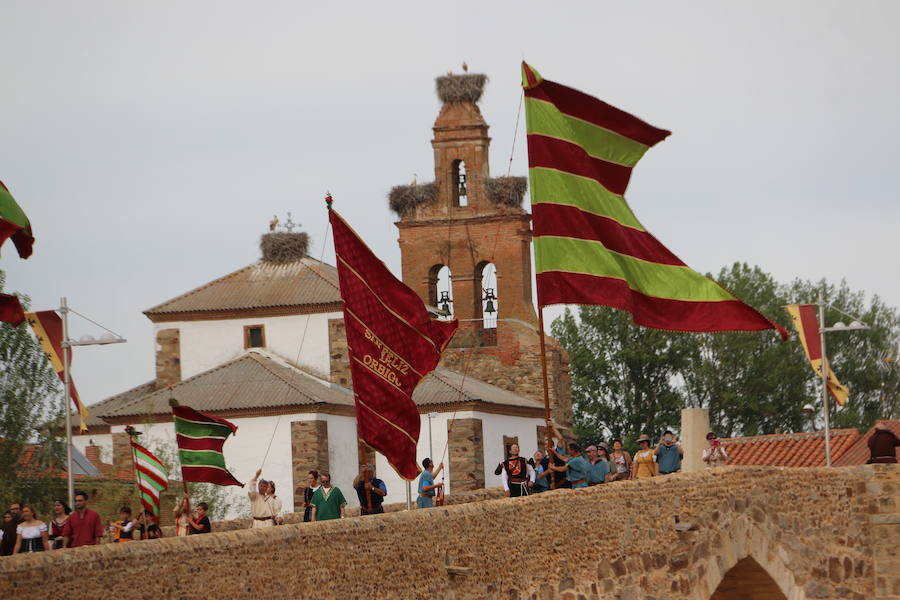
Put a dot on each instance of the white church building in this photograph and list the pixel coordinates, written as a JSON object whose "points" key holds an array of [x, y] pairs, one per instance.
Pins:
{"points": [[264, 346]]}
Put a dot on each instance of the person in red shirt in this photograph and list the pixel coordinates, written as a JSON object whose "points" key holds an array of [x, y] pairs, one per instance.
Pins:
{"points": [[83, 526]]}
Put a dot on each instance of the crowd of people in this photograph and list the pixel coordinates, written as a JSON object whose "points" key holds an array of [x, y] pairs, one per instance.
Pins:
{"points": [[566, 466], [23, 530]]}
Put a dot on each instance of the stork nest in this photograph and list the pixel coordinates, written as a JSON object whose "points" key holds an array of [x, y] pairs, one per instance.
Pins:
{"points": [[280, 248], [507, 191], [403, 199], [461, 88]]}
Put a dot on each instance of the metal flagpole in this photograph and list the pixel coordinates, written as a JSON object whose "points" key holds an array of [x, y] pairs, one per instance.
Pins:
{"points": [[408, 495], [825, 410], [67, 380]]}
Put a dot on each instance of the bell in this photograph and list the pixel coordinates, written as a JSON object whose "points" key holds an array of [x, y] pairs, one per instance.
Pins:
{"points": [[489, 298], [444, 302], [489, 307]]}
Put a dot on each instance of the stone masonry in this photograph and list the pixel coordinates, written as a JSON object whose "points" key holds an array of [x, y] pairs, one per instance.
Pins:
{"points": [[168, 358], [466, 455], [339, 353], [309, 450], [817, 533]]}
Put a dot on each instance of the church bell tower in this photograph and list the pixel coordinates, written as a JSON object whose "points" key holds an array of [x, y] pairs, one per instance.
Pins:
{"points": [[465, 244]]}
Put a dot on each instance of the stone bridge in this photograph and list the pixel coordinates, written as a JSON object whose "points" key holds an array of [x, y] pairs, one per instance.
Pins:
{"points": [[734, 533]]}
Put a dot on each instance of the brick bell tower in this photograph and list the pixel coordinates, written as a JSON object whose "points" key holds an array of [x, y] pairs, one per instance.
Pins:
{"points": [[474, 226]]}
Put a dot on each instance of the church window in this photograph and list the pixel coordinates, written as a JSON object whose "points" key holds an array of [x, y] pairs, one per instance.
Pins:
{"points": [[459, 185], [254, 336], [440, 290]]}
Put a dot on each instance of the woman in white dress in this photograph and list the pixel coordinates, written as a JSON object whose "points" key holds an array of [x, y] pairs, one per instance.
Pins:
{"points": [[31, 533]]}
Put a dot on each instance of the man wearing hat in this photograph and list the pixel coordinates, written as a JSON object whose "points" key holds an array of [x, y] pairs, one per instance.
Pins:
{"points": [[598, 469], [669, 454]]}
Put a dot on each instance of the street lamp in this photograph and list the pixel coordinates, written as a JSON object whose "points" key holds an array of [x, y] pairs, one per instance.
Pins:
{"points": [[86, 340], [855, 325]]}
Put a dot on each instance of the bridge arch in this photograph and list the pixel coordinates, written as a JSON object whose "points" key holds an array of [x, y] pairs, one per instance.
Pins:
{"points": [[747, 579]]}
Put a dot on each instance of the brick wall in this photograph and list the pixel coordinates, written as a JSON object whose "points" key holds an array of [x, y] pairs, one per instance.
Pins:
{"points": [[815, 532]]}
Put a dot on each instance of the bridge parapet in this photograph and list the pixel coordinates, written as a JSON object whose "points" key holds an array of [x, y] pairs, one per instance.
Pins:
{"points": [[815, 533]]}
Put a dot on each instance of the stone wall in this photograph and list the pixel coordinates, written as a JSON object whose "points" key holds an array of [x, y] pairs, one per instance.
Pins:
{"points": [[168, 357], [309, 450], [122, 454], [339, 353], [818, 533], [466, 455]]}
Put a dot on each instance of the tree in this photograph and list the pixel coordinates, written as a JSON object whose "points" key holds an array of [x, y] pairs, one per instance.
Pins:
{"points": [[623, 376], [628, 380], [30, 408], [865, 361], [751, 382]]}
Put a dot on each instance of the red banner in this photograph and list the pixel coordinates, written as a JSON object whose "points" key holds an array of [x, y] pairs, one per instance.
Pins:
{"points": [[393, 343], [11, 310]]}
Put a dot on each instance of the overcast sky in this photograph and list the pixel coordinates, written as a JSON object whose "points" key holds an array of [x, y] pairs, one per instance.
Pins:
{"points": [[150, 143]]}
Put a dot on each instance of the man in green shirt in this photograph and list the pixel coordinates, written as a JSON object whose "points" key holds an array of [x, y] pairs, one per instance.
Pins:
{"points": [[327, 502]]}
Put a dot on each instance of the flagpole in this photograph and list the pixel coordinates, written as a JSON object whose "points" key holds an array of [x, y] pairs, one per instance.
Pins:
{"points": [[546, 395], [67, 381], [825, 410], [363, 467]]}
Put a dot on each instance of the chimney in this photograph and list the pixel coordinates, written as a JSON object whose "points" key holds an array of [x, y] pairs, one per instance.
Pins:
{"points": [[339, 353], [92, 453], [168, 358]]}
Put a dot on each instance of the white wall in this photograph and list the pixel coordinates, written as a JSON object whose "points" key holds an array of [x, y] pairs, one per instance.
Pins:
{"points": [[494, 427], [244, 453], [208, 344]]}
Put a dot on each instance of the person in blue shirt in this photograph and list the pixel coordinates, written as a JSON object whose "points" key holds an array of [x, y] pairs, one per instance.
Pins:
{"points": [[576, 467], [427, 486], [541, 474], [669, 454], [371, 492], [598, 469]]}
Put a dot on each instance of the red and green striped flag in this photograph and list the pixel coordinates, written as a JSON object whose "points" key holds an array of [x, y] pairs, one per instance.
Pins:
{"points": [[589, 247], [14, 224], [200, 438], [151, 475]]}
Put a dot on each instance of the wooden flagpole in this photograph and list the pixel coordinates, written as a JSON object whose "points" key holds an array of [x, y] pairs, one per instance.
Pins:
{"points": [[362, 468], [547, 420]]}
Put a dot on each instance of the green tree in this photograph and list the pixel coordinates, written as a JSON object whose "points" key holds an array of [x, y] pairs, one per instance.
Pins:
{"points": [[751, 382], [865, 361], [624, 378], [628, 380], [30, 406]]}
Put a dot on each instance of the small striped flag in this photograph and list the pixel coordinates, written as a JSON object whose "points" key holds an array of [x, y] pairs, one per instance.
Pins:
{"points": [[152, 477], [48, 330], [589, 247], [200, 438], [807, 325]]}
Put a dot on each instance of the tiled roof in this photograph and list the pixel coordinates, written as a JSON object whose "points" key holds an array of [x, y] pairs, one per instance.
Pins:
{"points": [[81, 466], [260, 285], [442, 386], [789, 449], [253, 380], [98, 408], [858, 454], [260, 380]]}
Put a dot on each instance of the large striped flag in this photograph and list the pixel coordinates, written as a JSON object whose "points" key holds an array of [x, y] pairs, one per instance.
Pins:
{"points": [[393, 343], [14, 224], [589, 247], [151, 475], [47, 326], [807, 325], [200, 438]]}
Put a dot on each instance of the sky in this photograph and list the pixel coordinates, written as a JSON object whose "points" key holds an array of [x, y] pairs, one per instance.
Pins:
{"points": [[151, 142]]}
